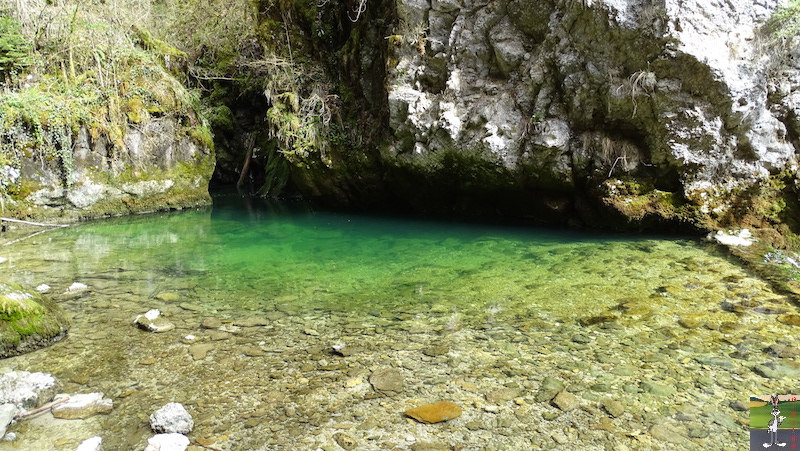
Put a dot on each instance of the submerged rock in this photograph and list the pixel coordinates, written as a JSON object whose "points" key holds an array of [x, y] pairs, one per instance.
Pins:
{"points": [[435, 413], [387, 381], [76, 288], [199, 351], [251, 321], [173, 417], [502, 395], [566, 401], [549, 389], [167, 296], [28, 320], [82, 406], [152, 321], [345, 441], [211, 323], [657, 389], [667, 433], [790, 319], [613, 407], [775, 371]]}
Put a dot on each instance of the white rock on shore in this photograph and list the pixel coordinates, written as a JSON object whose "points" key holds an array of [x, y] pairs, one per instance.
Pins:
{"points": [[733, 238], [7, 412], [26, 390]]}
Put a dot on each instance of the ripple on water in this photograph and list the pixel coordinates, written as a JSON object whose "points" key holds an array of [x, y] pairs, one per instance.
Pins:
{"points": [[666, 332]]}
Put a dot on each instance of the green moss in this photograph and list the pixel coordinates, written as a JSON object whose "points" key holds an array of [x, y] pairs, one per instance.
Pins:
{"points": [[15, 305], [135, 110], [639, 202], [148, 41], [221, 118], [785, 22], [45, 118], [202, 135], [27, 320]]}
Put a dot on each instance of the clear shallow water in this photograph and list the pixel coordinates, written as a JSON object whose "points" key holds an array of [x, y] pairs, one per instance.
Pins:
{"points": [[233, 258], [509, 305]]}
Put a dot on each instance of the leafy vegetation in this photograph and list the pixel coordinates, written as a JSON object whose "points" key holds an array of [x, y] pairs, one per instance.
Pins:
{"points": [[88, 65], [779, 36], [14, 48], [106, 66], [785, 22]]}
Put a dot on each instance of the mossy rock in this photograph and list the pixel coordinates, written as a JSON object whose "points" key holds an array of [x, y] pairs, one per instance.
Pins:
{"points": [[28, 320]]}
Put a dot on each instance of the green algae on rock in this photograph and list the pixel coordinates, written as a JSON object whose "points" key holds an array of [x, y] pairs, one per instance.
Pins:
{"points": [[28, 320]]}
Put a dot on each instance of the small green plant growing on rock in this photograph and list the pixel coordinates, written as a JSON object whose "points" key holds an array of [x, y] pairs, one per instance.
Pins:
{"points": [[779, 36], [297, 119], [785, 22]]}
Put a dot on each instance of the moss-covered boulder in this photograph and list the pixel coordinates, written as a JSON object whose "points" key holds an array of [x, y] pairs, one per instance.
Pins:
{"points": [[28, 320]]}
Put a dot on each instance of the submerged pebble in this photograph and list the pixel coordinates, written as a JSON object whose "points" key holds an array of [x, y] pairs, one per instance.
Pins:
{"points": [[435, 413], [152, 321]]}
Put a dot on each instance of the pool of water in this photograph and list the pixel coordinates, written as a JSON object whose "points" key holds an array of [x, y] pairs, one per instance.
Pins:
{"points": [[482, 315]]}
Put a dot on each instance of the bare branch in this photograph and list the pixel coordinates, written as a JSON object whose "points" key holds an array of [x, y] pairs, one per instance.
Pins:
{"points": [[45, 407]]}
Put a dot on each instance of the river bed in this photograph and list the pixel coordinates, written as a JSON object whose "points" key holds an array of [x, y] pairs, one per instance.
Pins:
{"points": [[656, 342]]}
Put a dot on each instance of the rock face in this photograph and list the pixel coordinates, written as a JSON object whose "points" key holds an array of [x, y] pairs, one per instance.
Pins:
{"points": [[7, 412], [603, 112], [629, 97], [153, 167], [28, 320]]}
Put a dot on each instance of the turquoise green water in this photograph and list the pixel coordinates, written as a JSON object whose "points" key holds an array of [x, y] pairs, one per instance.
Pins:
{"points": [[234, 258]]}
